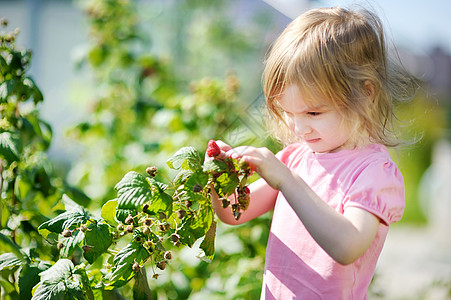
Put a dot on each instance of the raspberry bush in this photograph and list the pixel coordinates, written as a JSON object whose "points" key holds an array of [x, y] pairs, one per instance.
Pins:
{"points": [[152, 214]]}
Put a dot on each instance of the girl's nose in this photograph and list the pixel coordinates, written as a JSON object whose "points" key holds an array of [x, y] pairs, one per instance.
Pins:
{"points": [[301, 128]]}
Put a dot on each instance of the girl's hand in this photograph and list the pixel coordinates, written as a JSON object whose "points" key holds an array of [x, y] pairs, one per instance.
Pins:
{"points": [[264, 162]]}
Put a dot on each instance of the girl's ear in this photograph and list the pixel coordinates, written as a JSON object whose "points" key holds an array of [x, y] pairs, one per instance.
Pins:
{"points": [[369, 89]]}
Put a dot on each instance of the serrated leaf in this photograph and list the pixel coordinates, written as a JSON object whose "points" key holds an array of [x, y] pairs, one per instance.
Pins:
{"points": [[109, 211], [122, 214], [159, 185], [50, 290], [71, 243], [60, 282], [133, 190], [77, 215], [208, 244], [121, 271], [182, 176], [62, 269], [215, 165], [195, 227], [187, 158], [99, 238], [10, 146], [9, 261]]}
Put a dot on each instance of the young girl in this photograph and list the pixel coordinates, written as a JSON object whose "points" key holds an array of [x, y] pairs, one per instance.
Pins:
{"points": [[333, 188]]}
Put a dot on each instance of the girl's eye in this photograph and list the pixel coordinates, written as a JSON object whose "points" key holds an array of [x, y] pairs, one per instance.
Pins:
{"points": [[313, 113]]}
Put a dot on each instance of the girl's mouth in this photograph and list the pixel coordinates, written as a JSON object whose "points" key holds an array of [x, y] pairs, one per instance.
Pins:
{"points": [[310, 141]]}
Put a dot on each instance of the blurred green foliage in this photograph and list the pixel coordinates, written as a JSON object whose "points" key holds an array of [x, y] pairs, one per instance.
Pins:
{"points": [[423, 121], [29, 188]]}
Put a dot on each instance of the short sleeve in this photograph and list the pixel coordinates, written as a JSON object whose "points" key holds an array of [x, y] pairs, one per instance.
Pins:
{"points": [[378, 189]]}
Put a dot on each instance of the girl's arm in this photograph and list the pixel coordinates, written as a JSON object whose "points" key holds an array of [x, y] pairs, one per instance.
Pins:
{"points": [[344, 237]]}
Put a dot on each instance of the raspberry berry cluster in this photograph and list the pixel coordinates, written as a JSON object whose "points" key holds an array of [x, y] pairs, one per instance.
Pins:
{"points": [[238, 172]]}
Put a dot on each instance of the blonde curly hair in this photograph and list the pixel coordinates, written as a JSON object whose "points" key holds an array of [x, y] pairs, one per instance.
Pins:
{"points": [[340, 55]]}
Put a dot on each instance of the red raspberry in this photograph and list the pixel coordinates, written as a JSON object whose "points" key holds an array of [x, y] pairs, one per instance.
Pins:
{"points": [[213, 149]]}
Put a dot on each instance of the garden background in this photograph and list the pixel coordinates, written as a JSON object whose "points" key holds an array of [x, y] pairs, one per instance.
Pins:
{"points": [[127, 83]]}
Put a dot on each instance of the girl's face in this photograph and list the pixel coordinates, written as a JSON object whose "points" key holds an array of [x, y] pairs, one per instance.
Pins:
{"points": [[320, 126]]}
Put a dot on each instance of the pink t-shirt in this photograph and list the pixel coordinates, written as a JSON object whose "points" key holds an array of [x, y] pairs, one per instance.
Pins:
{"points": [[296, 266]]}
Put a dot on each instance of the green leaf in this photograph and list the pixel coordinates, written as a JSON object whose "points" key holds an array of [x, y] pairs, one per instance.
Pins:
{"points": [[122, 214], [9, 261], [141, 290], [199, 178], [62, 269], [50, 290], [78, 215], [121, 271], [28, 278], [195, 227], [208, 244], [133, 190], [71, 243], [6, 89], [182, 176], [109, 211], [215, 165], [160, 202], [99, 238], [187, 158], [10, 146], [226, 184], [8, 245], [61, 281]]}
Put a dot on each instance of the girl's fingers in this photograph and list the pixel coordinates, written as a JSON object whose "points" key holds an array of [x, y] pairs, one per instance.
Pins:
{"points": [[239, 152], [223, 146]]}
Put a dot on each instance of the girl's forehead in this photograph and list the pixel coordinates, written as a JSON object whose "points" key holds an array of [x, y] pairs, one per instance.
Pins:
{"points": [[293, 97]]}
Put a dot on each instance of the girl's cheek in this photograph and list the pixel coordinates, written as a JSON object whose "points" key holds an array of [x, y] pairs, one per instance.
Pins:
{"points": [[290, 123]]}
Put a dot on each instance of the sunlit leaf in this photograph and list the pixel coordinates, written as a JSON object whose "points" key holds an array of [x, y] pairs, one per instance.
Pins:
{"points": [[9, 261], [109, 211], [60, 282], [71, 243], [133, 190], [215, 165], [78, 215], [160, 202], [187, 158], [10, 146], [121, 271], [226, 184]]}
